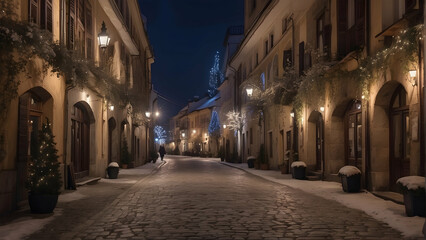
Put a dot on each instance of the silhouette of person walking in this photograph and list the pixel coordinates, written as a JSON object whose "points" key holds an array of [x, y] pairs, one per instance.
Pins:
{"points": [[162, 152]]}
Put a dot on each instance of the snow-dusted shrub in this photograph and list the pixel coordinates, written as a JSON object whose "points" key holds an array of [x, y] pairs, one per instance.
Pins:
{"points": [[298, 164], [412, 183], [113, 164], [349, 171]]}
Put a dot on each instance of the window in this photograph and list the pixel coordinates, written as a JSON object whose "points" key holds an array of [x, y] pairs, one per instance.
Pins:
{"points": [[287, 59], [351, 25], [40, 12], [251, 135], [284, 25], [320, 33], [252, 5], [257, 59], [288, 138], [266, 47], [272, 40], [270, 144]]}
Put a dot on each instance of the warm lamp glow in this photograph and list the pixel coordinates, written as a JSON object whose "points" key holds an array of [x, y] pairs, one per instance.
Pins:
{"points": [[157, 114], [249, 92], [103, 37], [194, 131], [292, 114], [413, 73], [147, 114], [111, 107], [183, 134], [322, 109], [224, 126]]}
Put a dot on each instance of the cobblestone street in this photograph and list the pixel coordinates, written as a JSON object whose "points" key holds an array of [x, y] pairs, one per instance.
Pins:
{"points": [[190, 198]]}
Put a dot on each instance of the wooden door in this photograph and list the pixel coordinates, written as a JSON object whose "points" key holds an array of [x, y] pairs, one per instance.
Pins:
{"points": [[319, 141], [400, 142], [353, 136], [80, 137]]}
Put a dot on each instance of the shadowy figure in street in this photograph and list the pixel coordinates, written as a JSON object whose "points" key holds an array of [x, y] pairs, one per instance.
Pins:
{"points": [[162, 152]]}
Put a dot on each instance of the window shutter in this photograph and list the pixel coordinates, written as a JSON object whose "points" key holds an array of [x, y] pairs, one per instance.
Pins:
{"points": [[33, 11], [327, 40], [360, 23], [42, 14], [301, 57], [49, 15], [342, 27], [71, 24]]}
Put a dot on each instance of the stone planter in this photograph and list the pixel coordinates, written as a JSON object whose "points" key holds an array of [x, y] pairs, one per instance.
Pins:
{"points": [[42, 203], [299, 173], [414, 203], [352, 183], [112, 172], [250, 162]]}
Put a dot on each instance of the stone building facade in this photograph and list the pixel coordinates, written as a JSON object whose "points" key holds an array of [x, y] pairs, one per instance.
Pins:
{"points": [[89, 125]]}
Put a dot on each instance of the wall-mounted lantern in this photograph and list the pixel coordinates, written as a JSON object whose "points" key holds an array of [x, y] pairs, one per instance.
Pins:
{"points": [[103, 37]]}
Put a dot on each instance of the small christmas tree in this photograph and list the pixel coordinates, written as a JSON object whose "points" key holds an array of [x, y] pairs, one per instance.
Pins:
{"points": [[44, 176], [126, 158]]}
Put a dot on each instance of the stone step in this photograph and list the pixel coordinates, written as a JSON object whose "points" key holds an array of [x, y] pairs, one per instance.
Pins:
{"points": [[87, 180], [313, 178]]}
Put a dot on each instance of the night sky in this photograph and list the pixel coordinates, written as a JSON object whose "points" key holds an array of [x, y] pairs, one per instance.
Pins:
{"points": [[185, 35]]}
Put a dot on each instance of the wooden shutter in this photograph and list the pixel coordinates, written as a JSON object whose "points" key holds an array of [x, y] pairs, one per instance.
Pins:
{"points": [[359, 24], [49, 15], [327, 40], [342, 26], [33, 11], [71, 24], [301, 57], [287, 61]]}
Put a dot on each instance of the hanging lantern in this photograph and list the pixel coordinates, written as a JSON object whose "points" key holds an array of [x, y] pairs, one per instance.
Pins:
{"points": [[103, 37]]}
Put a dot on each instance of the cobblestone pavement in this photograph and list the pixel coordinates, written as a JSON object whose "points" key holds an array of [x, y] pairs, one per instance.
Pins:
{"points": [[191, 198]]}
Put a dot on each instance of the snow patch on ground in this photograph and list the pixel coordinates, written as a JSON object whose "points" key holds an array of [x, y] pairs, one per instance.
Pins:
{"points": [[386, 211], [118, 180], [71, 196], [24, 227]]}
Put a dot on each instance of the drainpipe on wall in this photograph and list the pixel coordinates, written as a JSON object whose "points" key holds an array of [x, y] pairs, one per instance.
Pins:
{"points": [[367, 115]]}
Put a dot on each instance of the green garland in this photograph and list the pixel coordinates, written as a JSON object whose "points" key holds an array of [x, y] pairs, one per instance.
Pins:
{"points": [[311, 86]]}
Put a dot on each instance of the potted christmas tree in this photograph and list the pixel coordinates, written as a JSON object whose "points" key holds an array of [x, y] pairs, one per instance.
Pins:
{"points": [[44, 179], [126, 158]]}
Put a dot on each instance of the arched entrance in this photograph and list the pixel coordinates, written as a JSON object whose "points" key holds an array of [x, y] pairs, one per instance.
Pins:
{"points": [[390, 138], [316, 139], [111, 127], [80, 138], [34, 106], [399, 137]]}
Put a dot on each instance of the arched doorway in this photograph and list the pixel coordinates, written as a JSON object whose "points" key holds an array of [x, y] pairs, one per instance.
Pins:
{"points": [[111, 127], [34, 106], [316, 139], [399, 137], [80, 139], [390, 138]]}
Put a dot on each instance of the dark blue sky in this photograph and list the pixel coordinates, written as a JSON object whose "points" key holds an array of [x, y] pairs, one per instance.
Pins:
{"points": [[185, 35]]}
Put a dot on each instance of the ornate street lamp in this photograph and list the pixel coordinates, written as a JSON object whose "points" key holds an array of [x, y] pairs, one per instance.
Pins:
{"points": [[103, 37]]}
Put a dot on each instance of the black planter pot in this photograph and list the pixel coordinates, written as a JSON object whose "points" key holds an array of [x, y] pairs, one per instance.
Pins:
{"points": [[351, 183], [250, 163], [299, 173], [112, 172], [414, 204], [42, 203]]}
